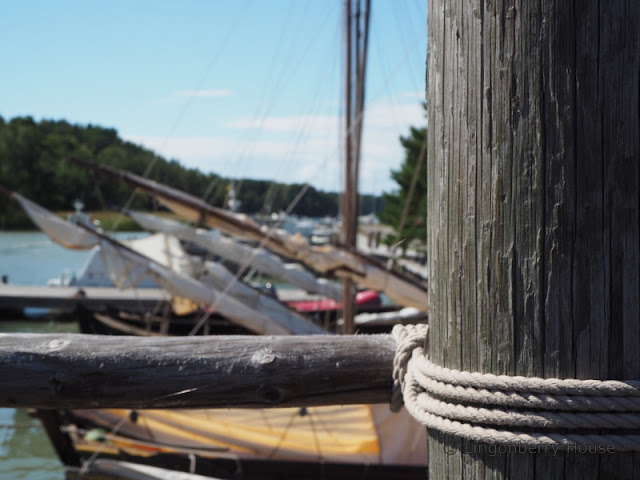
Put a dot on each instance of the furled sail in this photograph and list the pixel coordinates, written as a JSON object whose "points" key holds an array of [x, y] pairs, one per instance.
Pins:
{"points": [[217, 276], [328, 259], [239, 253], [183, 285], [60, 231]]}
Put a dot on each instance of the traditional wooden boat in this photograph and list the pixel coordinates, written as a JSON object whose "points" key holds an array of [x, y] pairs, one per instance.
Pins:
{"points": [[372, 317], [361, 441]]}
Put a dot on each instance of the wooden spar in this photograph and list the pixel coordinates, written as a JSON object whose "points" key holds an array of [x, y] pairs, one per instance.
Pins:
{"points": [[92, 371], [343, 262], [202, 211]]}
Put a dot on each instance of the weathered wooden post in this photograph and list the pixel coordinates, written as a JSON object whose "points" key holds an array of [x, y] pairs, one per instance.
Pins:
{"points": [[534, 171]]}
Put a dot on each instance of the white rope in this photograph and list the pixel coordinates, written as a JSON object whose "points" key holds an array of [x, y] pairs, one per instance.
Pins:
{"points": [[491, 408]]}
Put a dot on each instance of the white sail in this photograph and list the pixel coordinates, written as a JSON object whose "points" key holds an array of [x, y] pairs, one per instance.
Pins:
{"points": [[124, 263], [325, 259], [238, 253], [218, 277], [161, 248], [60, 231]]}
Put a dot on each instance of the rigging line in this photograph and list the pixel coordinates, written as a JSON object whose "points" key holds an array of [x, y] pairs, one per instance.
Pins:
{"points": [[273, 188], [402, 28], [270, 198], [266, 107], [276, 88], [393, 71], [246, 263], [283, 30], [307, 413], [283, 435], [304, 132], [187, 104], [243, 268], [261, 121], [185, 107], [408, 50], [385, 86], [87, 463]]}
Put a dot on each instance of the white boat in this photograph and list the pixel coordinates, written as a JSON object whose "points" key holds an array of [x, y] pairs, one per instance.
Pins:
{"points": [[93, 272]]}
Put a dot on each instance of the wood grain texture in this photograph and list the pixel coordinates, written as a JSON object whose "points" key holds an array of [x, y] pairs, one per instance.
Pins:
{"points": [[533, 194], [92, 371]]}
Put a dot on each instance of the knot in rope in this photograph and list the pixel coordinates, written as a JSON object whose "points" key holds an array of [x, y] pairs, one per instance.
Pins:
{"points": [[514, 410], [408, 338]]}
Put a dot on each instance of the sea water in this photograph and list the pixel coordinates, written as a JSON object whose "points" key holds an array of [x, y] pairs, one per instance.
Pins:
{"points": [[25, 450], [30, 258]]}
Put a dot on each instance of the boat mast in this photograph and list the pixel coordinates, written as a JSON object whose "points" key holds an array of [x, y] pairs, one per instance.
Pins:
{"points": [[347, 213], [353, 132]]}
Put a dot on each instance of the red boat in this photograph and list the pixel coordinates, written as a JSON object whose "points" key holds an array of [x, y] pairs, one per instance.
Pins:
{"points": [[364, 299]]}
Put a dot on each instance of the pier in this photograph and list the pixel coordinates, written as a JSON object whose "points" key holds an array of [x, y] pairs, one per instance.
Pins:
{"points": [[15, 298], [19, 297]]}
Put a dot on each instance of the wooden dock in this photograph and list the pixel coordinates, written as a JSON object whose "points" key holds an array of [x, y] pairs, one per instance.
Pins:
{"points": [[19, 297], [97, 299]]}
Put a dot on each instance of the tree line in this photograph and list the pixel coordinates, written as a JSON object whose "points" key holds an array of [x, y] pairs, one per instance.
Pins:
{"points": [[33, 162]]}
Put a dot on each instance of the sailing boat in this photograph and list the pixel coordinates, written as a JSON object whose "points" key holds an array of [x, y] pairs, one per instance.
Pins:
{"points": [[356, 439], [247, 307]]}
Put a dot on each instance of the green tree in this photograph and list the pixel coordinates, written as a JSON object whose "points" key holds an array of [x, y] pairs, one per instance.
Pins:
{"points": [[33, 162], [405, 209]]}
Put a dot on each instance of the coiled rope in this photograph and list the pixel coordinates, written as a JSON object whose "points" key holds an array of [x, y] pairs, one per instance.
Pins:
{"points": [[563, 414]]}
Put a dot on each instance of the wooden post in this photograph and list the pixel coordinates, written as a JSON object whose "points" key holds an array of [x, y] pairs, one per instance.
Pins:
{"points": [[533, 178]]}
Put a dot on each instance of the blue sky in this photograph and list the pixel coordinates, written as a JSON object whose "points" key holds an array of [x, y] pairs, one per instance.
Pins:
{"points": [[244, 88]]}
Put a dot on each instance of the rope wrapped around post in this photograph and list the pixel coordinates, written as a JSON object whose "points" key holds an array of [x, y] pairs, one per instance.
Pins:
{"points": [[514, 410]]}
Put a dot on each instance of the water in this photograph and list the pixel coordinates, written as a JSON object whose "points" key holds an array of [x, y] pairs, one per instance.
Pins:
{"points": [[30, 258], [25, 450]]}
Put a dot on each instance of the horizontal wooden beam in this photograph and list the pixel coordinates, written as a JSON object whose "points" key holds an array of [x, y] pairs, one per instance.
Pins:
{"points": [[93, 371]]}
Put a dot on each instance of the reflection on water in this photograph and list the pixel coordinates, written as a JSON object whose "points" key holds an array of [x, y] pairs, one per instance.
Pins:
{"points": [[25, 450]]}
